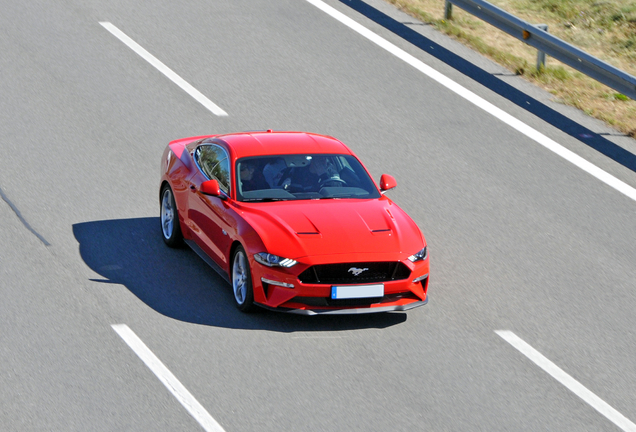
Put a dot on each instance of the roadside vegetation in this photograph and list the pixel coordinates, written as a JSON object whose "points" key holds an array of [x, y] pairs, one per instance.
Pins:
{"points": [[604, 29]]}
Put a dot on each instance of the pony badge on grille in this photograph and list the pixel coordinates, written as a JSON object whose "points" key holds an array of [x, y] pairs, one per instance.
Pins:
{"points": [[357, 271]]}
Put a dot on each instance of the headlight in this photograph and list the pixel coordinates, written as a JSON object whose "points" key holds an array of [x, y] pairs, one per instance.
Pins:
{"points": [[271, 260], [421, 255]]}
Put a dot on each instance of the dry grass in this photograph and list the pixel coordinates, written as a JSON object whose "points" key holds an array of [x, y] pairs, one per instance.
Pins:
{"points": [[604, 29]]}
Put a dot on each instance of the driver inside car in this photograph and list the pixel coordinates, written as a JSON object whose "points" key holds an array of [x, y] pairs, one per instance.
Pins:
{"points": [[318, 174]]}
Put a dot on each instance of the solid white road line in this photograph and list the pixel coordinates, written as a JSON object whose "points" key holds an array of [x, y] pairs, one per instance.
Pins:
{"points": [[196, 94], [168, 379], [573, 385], [480, 102]]}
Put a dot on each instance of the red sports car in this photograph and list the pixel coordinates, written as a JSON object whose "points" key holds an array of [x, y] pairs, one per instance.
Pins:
{"points": [[294, 222]]}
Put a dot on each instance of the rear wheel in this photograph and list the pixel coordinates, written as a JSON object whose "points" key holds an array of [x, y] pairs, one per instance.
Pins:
{"points": [[170, 228], [242, 281]]}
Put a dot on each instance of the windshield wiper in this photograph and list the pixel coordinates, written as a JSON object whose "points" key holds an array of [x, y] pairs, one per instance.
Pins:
{"points": [[264, 199]]}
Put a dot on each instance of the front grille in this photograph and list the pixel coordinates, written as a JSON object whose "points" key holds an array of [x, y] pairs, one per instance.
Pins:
{"points": [[373, 272]]}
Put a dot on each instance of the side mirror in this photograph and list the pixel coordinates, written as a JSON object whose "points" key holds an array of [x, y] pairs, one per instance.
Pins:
{"points": [[387, 182], [211, 187]]}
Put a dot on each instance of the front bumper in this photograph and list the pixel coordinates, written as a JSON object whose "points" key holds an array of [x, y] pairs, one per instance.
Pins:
{"points": [[348, 311], [289, 294]]}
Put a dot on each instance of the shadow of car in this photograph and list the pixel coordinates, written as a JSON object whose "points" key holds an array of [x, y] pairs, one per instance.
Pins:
{"points": [[178, 284]]}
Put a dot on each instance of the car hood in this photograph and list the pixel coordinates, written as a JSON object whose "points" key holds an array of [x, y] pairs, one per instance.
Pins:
{"points": [[360, 228]]}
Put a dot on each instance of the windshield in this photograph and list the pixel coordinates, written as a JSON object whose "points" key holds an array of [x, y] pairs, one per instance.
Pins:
{"points": [[302, 177]]}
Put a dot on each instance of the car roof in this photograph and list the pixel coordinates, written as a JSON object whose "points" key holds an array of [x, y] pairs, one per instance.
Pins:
{"points": [[275, 143]]}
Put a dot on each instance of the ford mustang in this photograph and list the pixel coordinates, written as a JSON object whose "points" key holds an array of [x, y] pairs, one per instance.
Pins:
{"points": [[294, 222]]}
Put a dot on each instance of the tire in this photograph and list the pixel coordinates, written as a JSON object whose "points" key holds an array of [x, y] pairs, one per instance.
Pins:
{"points": [[242, 281], [170, 226]]}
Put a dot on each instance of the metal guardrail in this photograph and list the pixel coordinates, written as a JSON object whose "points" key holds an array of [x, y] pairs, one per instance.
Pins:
{"points": [[534, 36]]}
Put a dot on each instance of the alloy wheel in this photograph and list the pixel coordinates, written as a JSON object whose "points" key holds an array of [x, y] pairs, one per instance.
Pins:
{"points": [[167, 214], [239, 277]]}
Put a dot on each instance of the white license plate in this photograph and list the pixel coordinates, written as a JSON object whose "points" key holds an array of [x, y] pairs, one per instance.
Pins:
{"points": [[357, 291]]}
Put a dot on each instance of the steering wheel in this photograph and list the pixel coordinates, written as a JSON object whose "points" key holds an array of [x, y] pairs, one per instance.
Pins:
{"points": [[336, 180]]}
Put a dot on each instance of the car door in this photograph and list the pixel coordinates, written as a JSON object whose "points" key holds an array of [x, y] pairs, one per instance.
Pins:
{"points": [[209, 216]]}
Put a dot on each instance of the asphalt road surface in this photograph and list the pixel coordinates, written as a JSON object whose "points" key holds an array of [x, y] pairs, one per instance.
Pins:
{"points": [[525, 244]]}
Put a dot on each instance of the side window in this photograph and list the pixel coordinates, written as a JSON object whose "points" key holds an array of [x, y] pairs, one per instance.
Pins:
{"points": [[214, 163]]}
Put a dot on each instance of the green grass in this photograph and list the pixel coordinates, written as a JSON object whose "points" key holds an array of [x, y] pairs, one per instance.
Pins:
{"points": [[552, 74], [604, 28]]}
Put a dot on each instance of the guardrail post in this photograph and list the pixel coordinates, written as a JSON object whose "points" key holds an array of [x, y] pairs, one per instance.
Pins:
{"points": [[533, 35], [541, 54], [448, 11]]}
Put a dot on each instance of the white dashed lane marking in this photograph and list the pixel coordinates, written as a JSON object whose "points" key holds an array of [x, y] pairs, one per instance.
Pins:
{"points": [[570, 383], [196, 94], [175, 387]]}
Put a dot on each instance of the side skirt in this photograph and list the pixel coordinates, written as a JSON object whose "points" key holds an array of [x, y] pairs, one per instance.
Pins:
{"points": [[195, 247]]}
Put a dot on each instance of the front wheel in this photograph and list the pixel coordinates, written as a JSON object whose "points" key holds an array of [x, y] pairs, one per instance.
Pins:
{"points": [[170, 228], [242, 281]]}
